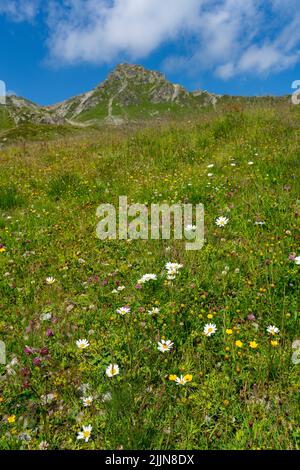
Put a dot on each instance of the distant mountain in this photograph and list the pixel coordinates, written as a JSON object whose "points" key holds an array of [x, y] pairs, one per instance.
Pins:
{"points": [[131, 93]]}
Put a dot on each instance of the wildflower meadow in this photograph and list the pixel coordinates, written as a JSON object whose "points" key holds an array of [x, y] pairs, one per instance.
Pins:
{"points": [[141, 344]]}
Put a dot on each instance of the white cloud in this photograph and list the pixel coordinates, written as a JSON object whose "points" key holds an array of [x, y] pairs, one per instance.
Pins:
{"points": [[19, 10], [101, 30], [227, 37], [239, 37]]}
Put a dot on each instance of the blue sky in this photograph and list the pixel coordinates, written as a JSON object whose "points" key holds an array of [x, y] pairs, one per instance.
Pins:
{"points": [[54, 49]]}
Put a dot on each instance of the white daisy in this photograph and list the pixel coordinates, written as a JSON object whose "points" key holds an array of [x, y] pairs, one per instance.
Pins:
{"points": [[222, 221], [297, 260], [123, 310], [153, 311], [147, 278], [87, 401], [85, 433], [180, 380], [173, 266], [272, 330], [112, 370], [172, 270], [210, 329], [50, 280], [82, 343], [165, 346]]}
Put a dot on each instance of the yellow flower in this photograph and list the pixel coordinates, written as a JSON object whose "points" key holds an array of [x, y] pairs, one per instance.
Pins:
{"points": [[274, 343], [239, 344], [2, 249], [229, 332], [210, 316], [188, 378], [172, 377], [253, 344], [226, 402], [11, 419], [1, 399]]}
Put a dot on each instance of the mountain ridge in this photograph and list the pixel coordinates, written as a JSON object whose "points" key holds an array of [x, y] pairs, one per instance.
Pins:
{"points": [[130, 93]]}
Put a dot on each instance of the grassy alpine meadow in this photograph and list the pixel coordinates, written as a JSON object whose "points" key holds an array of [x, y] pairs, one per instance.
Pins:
{"points": [[136, 344]]}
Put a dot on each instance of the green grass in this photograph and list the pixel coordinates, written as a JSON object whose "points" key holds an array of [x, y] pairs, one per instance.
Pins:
{"points": [[9, 197], [238, 398], [5, 120], [36, 132]]}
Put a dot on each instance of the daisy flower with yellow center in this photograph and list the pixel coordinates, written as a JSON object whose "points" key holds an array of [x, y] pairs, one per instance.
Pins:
{"points": [[180, 380], [165, 346], [112, 370], [221, 221], [123, 311], [272, 330], [87, 401], [210, 329], [85, 434], [82, 344]]}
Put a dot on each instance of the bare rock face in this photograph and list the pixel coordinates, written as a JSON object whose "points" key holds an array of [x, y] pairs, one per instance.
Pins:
{"points": [[22, 111]]}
